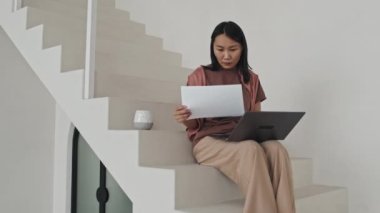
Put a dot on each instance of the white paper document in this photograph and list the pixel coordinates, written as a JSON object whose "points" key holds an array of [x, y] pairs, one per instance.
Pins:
{"points": [[213, 101]]}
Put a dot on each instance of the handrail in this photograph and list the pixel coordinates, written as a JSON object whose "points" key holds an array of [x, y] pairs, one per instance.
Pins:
{"points": [[89, 70], [17, 4]]}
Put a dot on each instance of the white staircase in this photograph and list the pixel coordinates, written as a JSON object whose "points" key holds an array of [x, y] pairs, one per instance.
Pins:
{"points": [[155, 168]]}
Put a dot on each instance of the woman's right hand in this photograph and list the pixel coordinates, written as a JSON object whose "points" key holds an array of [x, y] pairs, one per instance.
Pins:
{"points": [[181, 114]]}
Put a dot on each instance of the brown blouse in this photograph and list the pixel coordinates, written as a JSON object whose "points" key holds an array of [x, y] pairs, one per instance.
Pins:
{"points": [[215, 126]]}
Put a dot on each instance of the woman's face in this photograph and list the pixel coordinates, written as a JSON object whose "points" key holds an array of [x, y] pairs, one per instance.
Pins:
{"points": [[227, 51]]}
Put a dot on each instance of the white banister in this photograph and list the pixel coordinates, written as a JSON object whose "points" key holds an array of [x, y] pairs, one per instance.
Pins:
{"points": [[17, 4], [89, 73]]}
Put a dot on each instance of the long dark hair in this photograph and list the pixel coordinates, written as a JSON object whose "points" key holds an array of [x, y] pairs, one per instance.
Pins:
{"points": [[233, 31]]}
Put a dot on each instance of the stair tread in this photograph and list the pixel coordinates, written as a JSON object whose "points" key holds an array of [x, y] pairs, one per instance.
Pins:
{"points": [[196, 166], [237, 205]]}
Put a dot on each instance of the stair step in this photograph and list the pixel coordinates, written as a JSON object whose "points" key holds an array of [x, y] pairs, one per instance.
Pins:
{"points": [[73, 39], [131, 52], [73, 46], [105, 10], [73, 49], [67, 30], [302, 167], [58, 36], [149, 89], [83, 3], [54, 36], [38, 16], [122, 110], [197, 185], [68, 34], [159, 153], [302, 172], [57, 7], [109, 45], [319, 198], [125, 33], [309, 199], [193, 179], [141, 68], [164, 156]]}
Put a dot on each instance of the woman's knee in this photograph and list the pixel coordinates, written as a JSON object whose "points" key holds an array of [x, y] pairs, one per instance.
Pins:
{"points": [[251, 147], [274, 147]]}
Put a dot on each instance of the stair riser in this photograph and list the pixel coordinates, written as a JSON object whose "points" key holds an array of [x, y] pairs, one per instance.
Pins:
{"points": [[67, 7], [124, 51], [37, 17], [54, 36], [302, 172], [71, 34], [73, 48], [57, 7], [83, 3], [216, 188], [142, 68], [122, 114], [153, 152], [145, 42], [331, 202], [125, 86], [57, 36], [72, 60], [73, 52], [125, 28], [203, 185], [142, 44], [69, 61]]}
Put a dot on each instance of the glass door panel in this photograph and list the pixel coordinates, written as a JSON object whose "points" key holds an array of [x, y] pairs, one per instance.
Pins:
{"points": [[87, 177]]}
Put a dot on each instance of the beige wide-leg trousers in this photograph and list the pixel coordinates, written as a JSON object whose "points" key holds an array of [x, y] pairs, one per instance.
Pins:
{"points": [[262, 171]]}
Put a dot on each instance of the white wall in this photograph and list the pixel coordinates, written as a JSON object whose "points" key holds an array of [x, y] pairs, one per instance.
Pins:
{"points": [[64, 133], [315, 56], [27, 117]]}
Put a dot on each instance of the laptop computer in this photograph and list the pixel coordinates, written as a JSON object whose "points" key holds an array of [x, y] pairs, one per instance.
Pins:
{"points": [[263, 126]]}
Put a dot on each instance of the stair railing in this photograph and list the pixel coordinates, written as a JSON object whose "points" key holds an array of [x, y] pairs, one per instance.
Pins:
{"points": [[17, 4], [89, 70]]}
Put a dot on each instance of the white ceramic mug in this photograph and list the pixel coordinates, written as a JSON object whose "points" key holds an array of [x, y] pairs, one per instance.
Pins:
{"points": [[143, 120]]}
